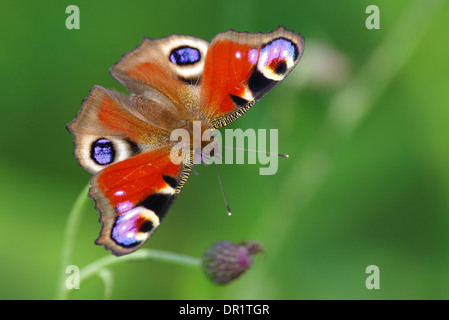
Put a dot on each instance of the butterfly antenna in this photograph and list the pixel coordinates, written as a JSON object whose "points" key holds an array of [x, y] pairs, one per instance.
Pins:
{"points": [[283, 155], [222, 192]]}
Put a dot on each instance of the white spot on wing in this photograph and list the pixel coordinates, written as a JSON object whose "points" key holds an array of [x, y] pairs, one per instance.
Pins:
{"points": [[253, 56], [167, 190]]}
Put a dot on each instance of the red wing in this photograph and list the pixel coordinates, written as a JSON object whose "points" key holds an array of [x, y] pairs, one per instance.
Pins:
{"points": [[133, 197], [240, 68]]}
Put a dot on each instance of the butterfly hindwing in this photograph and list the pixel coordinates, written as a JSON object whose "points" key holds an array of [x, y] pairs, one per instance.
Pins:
{"points": [[133, 197]]}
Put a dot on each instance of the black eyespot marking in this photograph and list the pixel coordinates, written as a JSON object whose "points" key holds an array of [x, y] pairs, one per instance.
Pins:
{"points": [[281, 68], [156, 203], [185, 56], [172, 182], [102, 151], [147, 226]]}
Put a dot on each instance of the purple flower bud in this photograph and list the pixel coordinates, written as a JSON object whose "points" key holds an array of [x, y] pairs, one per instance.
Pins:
{"points": [[225, 261]]}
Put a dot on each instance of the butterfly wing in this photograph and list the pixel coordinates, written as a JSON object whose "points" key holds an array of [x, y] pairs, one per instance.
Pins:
{"points": [[109, 129], [165, 70], [240, 68], [133, 196], [135, 182]]}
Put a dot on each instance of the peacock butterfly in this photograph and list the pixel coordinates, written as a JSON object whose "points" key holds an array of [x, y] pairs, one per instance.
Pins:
{"points": [[174, 81]]}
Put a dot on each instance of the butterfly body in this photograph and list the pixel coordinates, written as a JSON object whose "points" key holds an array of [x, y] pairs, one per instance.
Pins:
{"points": [[176, 82]]}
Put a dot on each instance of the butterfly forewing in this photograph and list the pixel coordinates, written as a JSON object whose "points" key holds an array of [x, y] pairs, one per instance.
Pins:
{"points": [[242, 67]]}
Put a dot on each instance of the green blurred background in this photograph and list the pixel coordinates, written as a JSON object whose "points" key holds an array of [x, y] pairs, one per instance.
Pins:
{"points": [[364, 117]]}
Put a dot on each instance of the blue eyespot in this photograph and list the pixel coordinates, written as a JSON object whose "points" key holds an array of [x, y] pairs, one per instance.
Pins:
{"points": [[285, 47], [102, 151], [125, 229], [184, 56], [133, 227], [276, 53]]}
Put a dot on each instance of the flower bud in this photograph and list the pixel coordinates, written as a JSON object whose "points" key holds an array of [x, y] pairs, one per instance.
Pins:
{"points": [[225, 261]]}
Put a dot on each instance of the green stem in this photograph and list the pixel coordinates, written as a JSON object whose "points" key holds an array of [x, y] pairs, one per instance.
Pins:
{"points": [[98, 266], [108, 281], [68, 243], [141, 255]]}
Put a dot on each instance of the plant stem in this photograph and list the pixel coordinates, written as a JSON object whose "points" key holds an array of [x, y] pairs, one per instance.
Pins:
{"points": [[141, 255], [98, 266], [108, 281], [68, 243]]}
